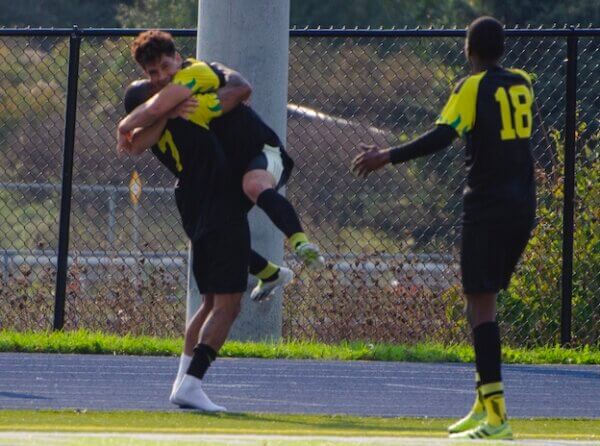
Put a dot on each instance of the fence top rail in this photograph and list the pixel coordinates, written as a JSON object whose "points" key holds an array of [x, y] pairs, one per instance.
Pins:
{"points": [[307, 32]]}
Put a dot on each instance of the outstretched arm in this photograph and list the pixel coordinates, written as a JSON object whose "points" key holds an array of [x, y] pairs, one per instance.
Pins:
{"points": [[374, 158]]}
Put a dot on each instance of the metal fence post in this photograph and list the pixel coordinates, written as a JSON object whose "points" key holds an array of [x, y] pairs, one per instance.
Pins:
{"points": [[569, 191], [112, 220], [67, 180]]}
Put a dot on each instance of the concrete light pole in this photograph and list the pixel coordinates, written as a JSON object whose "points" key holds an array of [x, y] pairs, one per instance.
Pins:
{"points": [[252, 37]]}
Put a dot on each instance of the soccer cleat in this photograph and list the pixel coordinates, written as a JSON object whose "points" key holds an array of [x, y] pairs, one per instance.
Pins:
{"points": [[486, 432], [264, 289], [472, 420], [189, 394], [310, 255]]}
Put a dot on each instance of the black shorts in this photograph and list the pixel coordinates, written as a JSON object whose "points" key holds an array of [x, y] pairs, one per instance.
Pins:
{"points": [[220, 259], [490, 253]]}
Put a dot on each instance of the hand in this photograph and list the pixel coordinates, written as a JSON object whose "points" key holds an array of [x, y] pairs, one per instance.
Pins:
{"points": [[185, 109], [123, 141], [370, 160]]}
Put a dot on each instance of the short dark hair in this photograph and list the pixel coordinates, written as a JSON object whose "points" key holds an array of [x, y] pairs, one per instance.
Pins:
{"points": [[150, 45], [137, 93], [485, 37]]}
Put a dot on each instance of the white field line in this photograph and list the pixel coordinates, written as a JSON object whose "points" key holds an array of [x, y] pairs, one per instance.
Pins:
{"points": [[140, 439]]}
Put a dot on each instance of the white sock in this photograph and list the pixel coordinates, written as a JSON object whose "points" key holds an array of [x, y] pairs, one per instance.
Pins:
{"points": [[184, 364]]}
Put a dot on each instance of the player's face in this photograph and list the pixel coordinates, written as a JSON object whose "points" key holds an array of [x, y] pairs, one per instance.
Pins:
{"points": [[161, 71]]}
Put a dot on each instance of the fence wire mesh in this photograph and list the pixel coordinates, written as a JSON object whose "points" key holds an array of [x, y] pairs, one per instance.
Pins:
{"points": [[391, 241], [586, 262], [32, 102]]}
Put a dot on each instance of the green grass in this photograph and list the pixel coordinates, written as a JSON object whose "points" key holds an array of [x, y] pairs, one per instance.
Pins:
{"points": [[99, 343], [272, 424]]}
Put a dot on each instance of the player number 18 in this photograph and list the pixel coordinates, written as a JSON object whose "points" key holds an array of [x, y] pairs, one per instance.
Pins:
{"points": [[520, 99]]}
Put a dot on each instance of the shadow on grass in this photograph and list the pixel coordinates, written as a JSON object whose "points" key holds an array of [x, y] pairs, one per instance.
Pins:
{"points": [[325, 423]]}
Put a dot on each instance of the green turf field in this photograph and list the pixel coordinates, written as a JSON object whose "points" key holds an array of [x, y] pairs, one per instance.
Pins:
{"points": [[109, 428]]}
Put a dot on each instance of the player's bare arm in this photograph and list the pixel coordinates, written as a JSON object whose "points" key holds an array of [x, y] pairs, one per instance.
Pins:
{"points": [[157, 107], [144, 138], [232, 77], [229, 97]]}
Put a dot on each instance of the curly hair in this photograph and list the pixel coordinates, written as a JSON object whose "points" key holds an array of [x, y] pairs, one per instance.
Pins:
{"points": [[150, 45]]}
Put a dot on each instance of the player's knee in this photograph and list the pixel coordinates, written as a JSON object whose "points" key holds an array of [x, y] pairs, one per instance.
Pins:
{"points": [[254, 187], [481, 308]]}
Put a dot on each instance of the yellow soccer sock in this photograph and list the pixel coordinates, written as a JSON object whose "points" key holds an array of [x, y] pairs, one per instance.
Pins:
{"points": [[268, 271], [297, 239], [493, 401], [478, 406]]}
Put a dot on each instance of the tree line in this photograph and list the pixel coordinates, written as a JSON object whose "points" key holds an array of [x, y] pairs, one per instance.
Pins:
{"points": [[337, 13]]}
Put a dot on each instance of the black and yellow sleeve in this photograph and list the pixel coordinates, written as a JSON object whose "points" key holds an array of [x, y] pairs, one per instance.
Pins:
{"points": [[459, 112], [199, 77], [209, 107]]}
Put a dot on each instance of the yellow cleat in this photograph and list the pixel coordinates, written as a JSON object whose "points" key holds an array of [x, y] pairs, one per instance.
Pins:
{"points": [[471, 421], [486, 432]]}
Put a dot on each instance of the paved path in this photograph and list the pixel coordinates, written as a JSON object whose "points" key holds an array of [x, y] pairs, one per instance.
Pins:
{"points": [[94, 382]]}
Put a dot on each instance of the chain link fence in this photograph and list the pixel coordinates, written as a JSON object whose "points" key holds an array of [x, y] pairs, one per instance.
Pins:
{"points": [[391, 241]]}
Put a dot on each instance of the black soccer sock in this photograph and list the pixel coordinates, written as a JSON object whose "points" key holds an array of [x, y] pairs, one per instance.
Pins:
{"points": [[280, 211], [486, 338], [488, 357], [257, 263], [262, 268], [204, 355]]}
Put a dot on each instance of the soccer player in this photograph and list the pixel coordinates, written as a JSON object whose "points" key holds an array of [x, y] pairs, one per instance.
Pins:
{"points": [[178, 80], [242, 135], [236, 150], [491, 109], [210, 205], [215, 220]]}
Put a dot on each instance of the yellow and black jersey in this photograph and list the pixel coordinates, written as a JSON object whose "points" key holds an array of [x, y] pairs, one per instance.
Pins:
{"points": [[207, 195], [203, 80], [492, 110], [199, 77]]}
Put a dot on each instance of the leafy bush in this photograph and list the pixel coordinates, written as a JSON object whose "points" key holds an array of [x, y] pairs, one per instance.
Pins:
{"points": [[531, 307]]}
